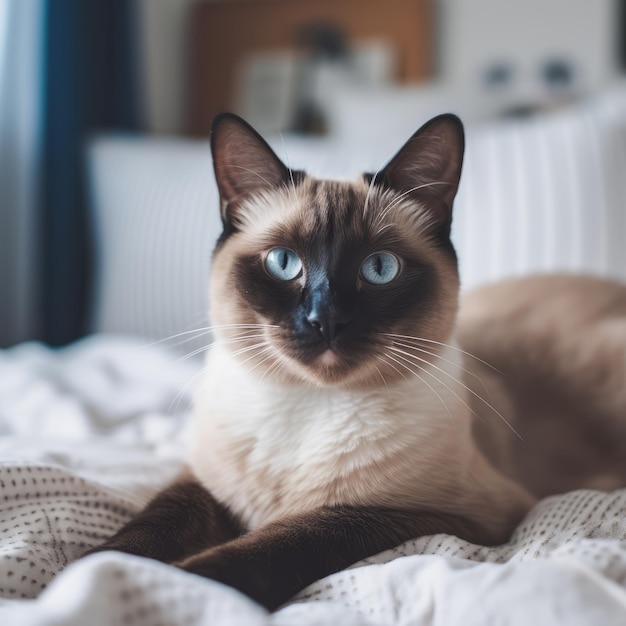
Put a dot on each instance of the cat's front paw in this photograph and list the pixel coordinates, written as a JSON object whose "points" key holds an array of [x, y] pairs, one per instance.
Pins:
{"points": [[242, 574], [128, 545], [138, 541]]}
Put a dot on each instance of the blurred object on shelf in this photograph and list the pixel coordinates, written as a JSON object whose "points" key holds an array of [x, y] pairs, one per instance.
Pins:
{"points": [[323, 63], [289, 90], [332, 42], [266, 90]]}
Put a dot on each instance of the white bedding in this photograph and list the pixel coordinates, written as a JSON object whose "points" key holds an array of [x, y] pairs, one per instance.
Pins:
{"points": [[88, 433]]}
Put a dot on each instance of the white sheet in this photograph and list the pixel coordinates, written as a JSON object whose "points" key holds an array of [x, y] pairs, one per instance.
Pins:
{"points": [[90, 432]]}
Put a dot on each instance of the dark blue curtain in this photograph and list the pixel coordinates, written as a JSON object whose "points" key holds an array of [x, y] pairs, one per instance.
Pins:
{"points": [[90, 85]]}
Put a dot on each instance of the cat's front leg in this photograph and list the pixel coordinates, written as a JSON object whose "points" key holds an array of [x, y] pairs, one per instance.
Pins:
{"points": [[181, 520], [273, 563]]}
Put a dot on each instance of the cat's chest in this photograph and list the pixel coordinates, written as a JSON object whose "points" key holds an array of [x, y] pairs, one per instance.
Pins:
{"points": [[269, 451]]}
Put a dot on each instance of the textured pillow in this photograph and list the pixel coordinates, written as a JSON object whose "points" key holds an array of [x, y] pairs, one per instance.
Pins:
{"points": [[542, 194], [155, 221]]}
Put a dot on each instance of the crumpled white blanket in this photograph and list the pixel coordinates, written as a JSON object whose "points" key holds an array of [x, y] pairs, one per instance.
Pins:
{"points": [[89, 433]]}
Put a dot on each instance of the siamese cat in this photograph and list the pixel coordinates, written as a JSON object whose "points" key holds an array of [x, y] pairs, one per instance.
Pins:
{"points": [[344, 408]]}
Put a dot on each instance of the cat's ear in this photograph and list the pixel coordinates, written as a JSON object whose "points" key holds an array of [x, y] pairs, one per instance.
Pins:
{"points": [[428, 166], [244, 163]]}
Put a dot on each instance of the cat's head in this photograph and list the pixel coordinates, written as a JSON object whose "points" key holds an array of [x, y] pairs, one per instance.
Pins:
{"points": [[325, 281]]}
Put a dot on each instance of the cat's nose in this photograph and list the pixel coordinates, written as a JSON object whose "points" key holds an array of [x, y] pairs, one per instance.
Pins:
{"points": [[328, 323]]}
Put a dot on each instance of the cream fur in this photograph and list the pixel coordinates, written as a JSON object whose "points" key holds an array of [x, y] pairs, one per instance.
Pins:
{"points": [[267, 450]]}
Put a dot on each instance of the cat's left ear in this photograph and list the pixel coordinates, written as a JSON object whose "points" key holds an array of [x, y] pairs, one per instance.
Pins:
{"points": [[428, 167], [243, 161]]}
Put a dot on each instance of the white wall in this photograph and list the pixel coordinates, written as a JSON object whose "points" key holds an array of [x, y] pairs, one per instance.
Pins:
{"points": [[164, 43], [526, 33]]}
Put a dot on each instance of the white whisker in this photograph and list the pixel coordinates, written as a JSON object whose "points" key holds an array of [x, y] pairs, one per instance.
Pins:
{"points": [[369, 191], [246, 169], [255, 355], [397, 199], [212, 382], [381, 377], [272, 368], [180, 394], [269, 356], [380, 230], [204, 330], [373, 182], [176, 401], [441, 358], [247, 349], [221, 342], [425, 371], [293, 184], [397, 350], [446, 345], [380, 358], [445, 406]]}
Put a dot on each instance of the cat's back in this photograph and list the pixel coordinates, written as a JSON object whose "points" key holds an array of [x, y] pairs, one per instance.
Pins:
{"points": [[576, 298], [545, 325], [558, 344]]}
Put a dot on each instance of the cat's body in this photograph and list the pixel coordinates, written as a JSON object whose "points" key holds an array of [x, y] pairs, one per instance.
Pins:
{"points": [[342, 409], [559, 345]]}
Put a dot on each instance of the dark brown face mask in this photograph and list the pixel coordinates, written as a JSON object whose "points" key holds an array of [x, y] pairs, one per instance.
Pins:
{"points": [[344, 263]]}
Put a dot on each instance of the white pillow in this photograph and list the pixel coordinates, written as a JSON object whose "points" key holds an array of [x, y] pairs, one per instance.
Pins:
{"points": [[155, 223], [544, 194]]}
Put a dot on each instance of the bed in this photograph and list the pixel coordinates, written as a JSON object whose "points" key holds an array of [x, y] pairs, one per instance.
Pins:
{"points": [[91, 431]]}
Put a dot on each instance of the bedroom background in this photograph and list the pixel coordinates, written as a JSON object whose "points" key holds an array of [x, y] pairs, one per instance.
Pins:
{"points": [[108, 214], [106, 188]]}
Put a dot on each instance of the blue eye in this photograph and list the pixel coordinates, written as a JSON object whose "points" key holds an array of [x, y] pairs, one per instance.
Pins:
{"points": [[283, 264], [380, 268]]}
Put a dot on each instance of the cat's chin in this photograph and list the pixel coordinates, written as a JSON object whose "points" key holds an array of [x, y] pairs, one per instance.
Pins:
{"points": [[330, 369], [328, 359], [326, 369]]}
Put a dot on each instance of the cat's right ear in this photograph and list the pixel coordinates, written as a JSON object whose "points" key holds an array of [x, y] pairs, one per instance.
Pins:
{"points": [[243, 161]]}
